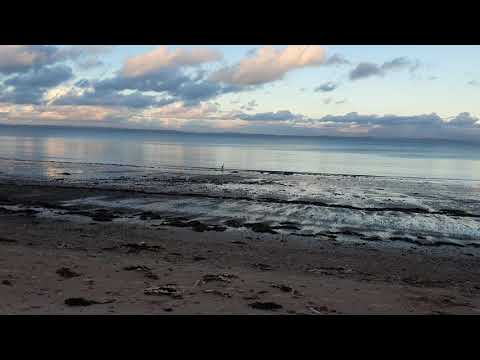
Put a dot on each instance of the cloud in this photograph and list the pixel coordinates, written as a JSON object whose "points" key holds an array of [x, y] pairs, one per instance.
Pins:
{"points": [[106, 97], [427, 120], [84, 56], [43, 77], [464, 120], [30, 87], [269, 64], [78, 52], [21, 96], [397, 63], [162, 58], [160, 71], [283, 115], [68, 115], [90, 63], [332, 101], [424, 121], [415, 66], [326, 87], [251, 105], [337, 60], [463, 126], [364, 70], [171, 85], [368, 69], [20, 58], [207, 117]]}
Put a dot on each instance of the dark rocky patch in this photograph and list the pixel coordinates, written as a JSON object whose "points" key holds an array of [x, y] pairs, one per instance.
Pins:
{"points": [[403, 238], [80, 301], [260, 228], [79, 212], [137, 268], [431, 244], [135, 248], [263, 267], [103, 215], [198, 226], [347, 232], [304, 234], [218, 293], [371, 238], [151, 275], [233, 223], [67, 273], [290, 226], [110, 248], [194, 224], [329, 270], [282, 287], [456, 212], [26, 212], [327, 235], [148, 215], [177, 222], [239, 242], [216, 228], [321, 309], [271, 306], [444, 243]]}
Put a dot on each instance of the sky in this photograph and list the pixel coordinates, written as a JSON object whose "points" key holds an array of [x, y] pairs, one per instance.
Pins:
{"points": [[378, 91]]}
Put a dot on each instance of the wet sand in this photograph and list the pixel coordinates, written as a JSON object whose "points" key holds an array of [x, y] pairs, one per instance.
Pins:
{"points": [[94, 262]]}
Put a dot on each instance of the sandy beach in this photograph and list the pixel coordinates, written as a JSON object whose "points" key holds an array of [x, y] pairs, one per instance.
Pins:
{"points": [[240, 179], [87, 261]]}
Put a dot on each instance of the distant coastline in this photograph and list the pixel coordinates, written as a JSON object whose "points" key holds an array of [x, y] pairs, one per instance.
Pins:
{"points": [[236, 134]]}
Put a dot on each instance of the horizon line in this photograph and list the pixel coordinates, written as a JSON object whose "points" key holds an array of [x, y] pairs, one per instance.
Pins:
{"points": [[240, 134]]}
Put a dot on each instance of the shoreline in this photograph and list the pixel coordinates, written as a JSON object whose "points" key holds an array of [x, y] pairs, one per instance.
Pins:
{"points": [[196, 270], [171, 167]]}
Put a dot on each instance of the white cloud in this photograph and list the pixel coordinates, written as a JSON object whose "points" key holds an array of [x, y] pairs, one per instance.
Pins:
{"points": [[270, 64], [162, 57], [179, 111], [207, 117], [68, 115]]}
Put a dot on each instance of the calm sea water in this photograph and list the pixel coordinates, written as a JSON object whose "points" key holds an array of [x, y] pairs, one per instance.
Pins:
{"points": [[413, 158]]}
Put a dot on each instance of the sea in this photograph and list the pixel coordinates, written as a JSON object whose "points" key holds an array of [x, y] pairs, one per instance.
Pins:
{"points": [[436, 159], [384, 191]]}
